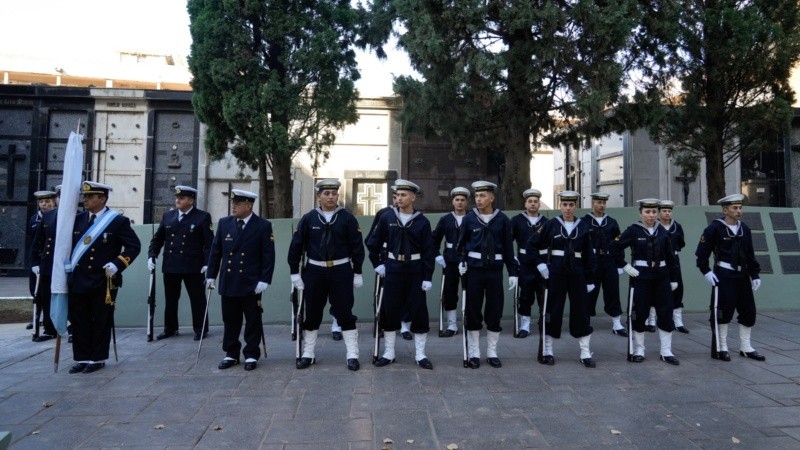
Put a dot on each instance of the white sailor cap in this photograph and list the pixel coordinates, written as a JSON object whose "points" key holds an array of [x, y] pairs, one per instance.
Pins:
{"points": [[91, 187], [185, 191], [569, 196], [238, 195], [733, 199], [531, 193], [459, 191], [666, 204], [648, 202], [41, 195], [600, 195], [483, 186], [330, 183], [405, 185]]}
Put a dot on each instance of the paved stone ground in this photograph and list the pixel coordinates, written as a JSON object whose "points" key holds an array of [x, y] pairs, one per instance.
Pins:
{"points": [[155, 398]]}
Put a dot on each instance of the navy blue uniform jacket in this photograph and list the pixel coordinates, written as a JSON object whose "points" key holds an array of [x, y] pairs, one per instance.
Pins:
{"points": [[43, 242], [651, 248], [310, 237], [734, 249], [415, 237], [447, 229], [489, 239], [186, 243], [241, 261], [522, 230], [554, 237]]}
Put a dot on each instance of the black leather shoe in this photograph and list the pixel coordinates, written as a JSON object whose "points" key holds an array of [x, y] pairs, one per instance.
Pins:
{"points": [[447, 333], [588, 362], [474, 363], [380, 362], [166, 334], [522, 334], [93, 367], [494, 362], [407, 335], [197, 335], [650, 328], [636, 359], [620, 332], [353, 364], [42, 338], [336, 335], [722, 356], [227, 363], [29, 326], [304, 363], [753, 355], [425, 364], [250, 365], [671, 360], [77, 368], [683, 330], [547, 360]]}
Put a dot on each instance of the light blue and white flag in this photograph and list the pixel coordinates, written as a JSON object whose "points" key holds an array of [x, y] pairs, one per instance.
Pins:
{"points": [[67, 209]]}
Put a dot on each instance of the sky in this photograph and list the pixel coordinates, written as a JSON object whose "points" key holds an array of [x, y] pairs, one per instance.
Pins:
{"points": [[99, 29]]}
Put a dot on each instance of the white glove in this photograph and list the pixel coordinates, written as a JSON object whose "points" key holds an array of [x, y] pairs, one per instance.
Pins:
{"points": [[35, 270], [426, 286], [756, 283], [711, 278], [297, 281], [630, 270], [462, 268], [151, 264], [261, 287], [673, 285], [440, 261], [620, 271], [543, 270], [589, 287], [381, 270], [512, 283], [111, 269], [203, 269], [358, 280], [210, 284]]}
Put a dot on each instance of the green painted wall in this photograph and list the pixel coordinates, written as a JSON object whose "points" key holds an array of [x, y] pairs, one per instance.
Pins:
{"points": [[778, 292]]}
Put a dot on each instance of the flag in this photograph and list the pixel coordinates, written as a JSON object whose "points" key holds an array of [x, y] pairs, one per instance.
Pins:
{"points": [[67, 209]]}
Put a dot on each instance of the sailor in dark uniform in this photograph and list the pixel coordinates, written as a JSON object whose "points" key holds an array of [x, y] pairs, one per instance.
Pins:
{"points": [[735, 275], [41, 257], [676, 238], [331, 239], [243, 255], [653, 275], [603, 229], [531, 282], [447, 230], [485, 245], [104, 245], [186, 236], [564, 257], [407, 271]]}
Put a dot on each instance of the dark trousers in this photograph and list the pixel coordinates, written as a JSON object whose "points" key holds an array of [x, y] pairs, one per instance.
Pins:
{"points": [[172, 294], [92, 320], [233, 310], [735, 294], [531, 288], [559, 286], [402, 291], [451, 281], [656, 293], [43, 304], [607, 278], [324, 284], [484, 283]]}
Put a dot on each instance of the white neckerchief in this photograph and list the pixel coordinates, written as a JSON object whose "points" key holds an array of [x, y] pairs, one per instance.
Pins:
{"points": [[569, 226], [600, 219], [651, 230], [458, 218], [534, 219], [404, 217], [486, 217], [734, 228], [328, 215]]}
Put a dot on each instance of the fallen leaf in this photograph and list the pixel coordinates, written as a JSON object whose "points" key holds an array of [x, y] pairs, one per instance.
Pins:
{"points": [[216, 427], [47, 404], [384, 448], [452, 446], [159, 426], [734, 440], [616, 432], [388, 441], [410, 441]]}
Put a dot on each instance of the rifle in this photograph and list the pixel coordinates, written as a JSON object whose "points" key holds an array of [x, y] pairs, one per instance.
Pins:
{"points": [[36, 312], [517, 291], [464, 337], [630, 323], [441, 307], [57, 353], [715, 348], [205, 319], [298, 316], [151, 305], [544, 318], [376, 324], [261, 321]]}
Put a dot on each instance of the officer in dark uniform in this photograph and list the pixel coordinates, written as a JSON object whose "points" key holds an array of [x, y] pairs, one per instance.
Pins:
{"points": [[243, 255], [186, 236], [41, 249], [603, 229], [485, 245], [331, 239], [565, 258], [531, 283], [447, 230], [103, 245], [735, 276], [407, 271], [653, 277], [676, 238]]}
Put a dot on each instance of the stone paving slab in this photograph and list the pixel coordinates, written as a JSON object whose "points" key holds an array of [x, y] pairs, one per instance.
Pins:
{"points": [[155, 397]]}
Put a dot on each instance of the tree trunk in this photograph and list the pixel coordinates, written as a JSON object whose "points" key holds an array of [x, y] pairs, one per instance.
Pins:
{"points": [[517, 167], [263, 192], [715, 173], [282, 184]]}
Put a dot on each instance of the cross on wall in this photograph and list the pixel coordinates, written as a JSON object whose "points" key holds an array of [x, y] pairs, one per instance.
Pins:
{"points": [[369, 199]]}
